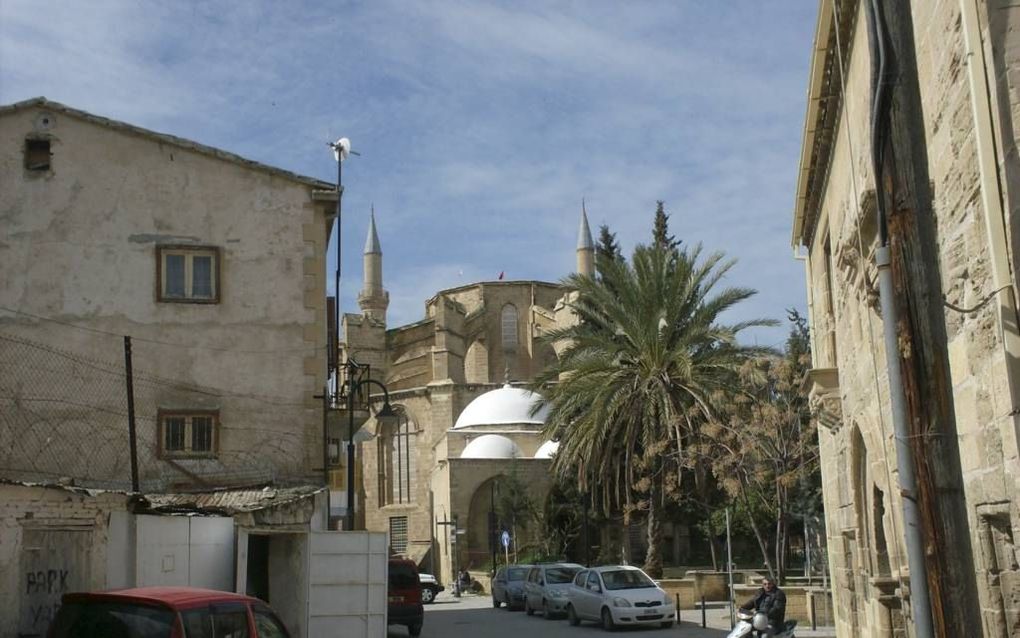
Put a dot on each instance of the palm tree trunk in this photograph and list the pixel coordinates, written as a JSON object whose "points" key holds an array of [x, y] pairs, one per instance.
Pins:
{"points": [[653, 558]]}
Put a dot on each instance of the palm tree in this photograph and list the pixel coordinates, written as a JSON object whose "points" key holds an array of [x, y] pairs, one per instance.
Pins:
{"points": [[643, 366]]}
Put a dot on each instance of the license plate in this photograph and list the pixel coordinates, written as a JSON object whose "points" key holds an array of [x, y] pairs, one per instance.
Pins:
{"points": [[396, 599], [651, 617]]}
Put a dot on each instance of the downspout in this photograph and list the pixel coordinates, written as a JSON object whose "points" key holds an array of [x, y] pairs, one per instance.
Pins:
{"points": [[920, 598], [991, 200]]}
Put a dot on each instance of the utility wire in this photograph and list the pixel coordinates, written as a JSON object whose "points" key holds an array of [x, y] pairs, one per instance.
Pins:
{"points": [[157, 341]]}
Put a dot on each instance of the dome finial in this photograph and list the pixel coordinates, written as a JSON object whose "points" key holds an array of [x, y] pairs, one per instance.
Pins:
{"points": [[506, 376]]}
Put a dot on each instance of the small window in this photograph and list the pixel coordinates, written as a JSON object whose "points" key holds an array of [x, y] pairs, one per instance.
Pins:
{"points": [[188, 274], [188, 434], [398, 534], [37, 155]]}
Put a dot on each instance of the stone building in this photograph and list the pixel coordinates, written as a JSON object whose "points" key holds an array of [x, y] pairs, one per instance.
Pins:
{"points": [[967, 57], [455, 377], [214, 264]]}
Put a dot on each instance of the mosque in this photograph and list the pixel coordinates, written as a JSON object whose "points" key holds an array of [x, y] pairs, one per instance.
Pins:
{"points": [[458, 378]]}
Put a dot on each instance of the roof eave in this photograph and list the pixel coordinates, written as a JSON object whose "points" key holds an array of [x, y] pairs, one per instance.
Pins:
{"points": [[815, 79]]}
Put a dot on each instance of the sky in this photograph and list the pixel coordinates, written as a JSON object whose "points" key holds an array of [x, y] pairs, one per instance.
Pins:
{"points": [[481, 125]]}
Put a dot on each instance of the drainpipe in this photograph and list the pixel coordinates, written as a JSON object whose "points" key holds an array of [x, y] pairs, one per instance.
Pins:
{"points": [[920, 597], [920, 604], [991, 200]]}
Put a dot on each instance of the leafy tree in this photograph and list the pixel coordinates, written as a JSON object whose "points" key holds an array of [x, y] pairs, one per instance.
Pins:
{"points": [[763, 450], [641, 367], [660, 229], [607, 245]]}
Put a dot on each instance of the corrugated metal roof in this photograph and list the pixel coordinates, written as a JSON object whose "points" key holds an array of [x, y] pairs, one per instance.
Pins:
{"points": [[230, 501]]}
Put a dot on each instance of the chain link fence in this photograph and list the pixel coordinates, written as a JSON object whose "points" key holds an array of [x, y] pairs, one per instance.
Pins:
{"points": [[64, 417]]}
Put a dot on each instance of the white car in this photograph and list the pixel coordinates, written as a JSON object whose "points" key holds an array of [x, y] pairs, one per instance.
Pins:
{"points": [[430, 588], [618, 596]]}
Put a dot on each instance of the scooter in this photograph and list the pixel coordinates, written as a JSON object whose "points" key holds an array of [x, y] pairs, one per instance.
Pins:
{"points": [[750, 623]]}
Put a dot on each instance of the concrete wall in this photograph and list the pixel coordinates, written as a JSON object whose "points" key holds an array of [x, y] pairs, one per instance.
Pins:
{"points": [[864, 523], [80, 246]]}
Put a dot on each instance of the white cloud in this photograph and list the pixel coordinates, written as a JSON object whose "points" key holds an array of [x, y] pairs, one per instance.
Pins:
{"points": [[481, 125]]}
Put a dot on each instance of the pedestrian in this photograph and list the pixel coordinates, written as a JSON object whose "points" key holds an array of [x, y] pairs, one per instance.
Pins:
{"points": [[771, 601]]}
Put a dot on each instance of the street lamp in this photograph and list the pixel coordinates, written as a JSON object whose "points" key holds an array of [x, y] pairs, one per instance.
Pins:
{"points": [[358, 377]]}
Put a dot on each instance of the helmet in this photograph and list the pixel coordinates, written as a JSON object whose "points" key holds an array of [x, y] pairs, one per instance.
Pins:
{"points": [[760, 622]]}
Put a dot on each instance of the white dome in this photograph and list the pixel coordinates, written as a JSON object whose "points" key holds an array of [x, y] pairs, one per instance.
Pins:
{"points": [[547, 450], [491, 446], [505, 406]]}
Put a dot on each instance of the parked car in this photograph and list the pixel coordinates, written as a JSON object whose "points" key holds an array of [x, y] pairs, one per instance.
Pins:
{"points": [[405, 607], [508, 586], [616, 596], [430, 588], [164, 612], [546, 588]]}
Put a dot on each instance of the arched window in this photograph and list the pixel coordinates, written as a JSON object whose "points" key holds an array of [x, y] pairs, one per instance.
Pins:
{"points": [[403, 457], [508, 321]]}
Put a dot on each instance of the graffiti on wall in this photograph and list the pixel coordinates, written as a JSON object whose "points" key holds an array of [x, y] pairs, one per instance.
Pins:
{"points": [[53, 562]]}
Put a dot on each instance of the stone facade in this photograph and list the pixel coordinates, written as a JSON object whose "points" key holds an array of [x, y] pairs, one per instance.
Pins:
{"points": [[472, 340], [100, 220], [966, 67]]}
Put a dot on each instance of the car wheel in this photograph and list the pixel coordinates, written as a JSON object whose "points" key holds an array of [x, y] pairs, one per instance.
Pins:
{"points": [[572, 616], [414, 630], [428, 595], [607, 620], [495, 603], [666, 624], [527, 608]]}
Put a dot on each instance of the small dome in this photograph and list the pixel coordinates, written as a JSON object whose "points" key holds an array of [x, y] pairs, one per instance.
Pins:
{"points": [[505, 406], [547, 450], [491, 446]]}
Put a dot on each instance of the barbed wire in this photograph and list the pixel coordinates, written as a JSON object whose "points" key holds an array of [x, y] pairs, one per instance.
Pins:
{"points": [[64, 415]]}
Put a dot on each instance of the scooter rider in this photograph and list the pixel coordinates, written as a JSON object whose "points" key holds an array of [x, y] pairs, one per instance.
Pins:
{"points": [[771, 601]]}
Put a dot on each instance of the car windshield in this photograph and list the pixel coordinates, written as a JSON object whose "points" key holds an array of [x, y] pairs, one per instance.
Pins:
{"points": [[115, 620], [517, 573], [560, 575], [626, 579]]}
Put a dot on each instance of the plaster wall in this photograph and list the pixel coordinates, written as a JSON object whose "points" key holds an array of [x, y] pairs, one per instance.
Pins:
{"points": [[70, 545], [80, 247]]}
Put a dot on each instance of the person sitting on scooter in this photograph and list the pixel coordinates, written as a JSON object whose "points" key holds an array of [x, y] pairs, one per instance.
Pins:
{"points": [[771, 601]]}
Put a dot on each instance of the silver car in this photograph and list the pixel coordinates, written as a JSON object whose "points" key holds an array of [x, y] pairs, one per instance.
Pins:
{"points": [[546, 588], [616, 596], [508, 586]]}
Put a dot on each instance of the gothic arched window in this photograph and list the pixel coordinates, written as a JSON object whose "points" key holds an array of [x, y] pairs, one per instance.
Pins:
{"points": [[508, 322]]}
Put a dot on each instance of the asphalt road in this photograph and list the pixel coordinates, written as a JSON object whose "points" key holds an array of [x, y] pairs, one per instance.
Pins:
{"points": [[474, 617]]}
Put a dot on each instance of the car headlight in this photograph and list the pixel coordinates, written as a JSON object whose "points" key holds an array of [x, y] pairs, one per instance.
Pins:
{"points": [[666, 600], [621, 602], [557, 593]]}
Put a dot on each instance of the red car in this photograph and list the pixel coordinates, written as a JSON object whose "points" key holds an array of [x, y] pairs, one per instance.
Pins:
{"points": [[165, 612], [405, 607]]}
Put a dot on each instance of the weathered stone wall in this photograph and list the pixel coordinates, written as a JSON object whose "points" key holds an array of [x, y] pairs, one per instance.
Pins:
{"points": [[80, 247], [864, 523]]}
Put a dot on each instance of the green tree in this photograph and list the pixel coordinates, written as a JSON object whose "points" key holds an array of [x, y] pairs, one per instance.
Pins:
{"points": [[660, 229], [640, 368], [607, 246]]}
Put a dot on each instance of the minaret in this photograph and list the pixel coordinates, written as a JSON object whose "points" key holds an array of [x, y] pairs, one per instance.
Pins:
{"points": [[585, 247], [373, 299]]}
